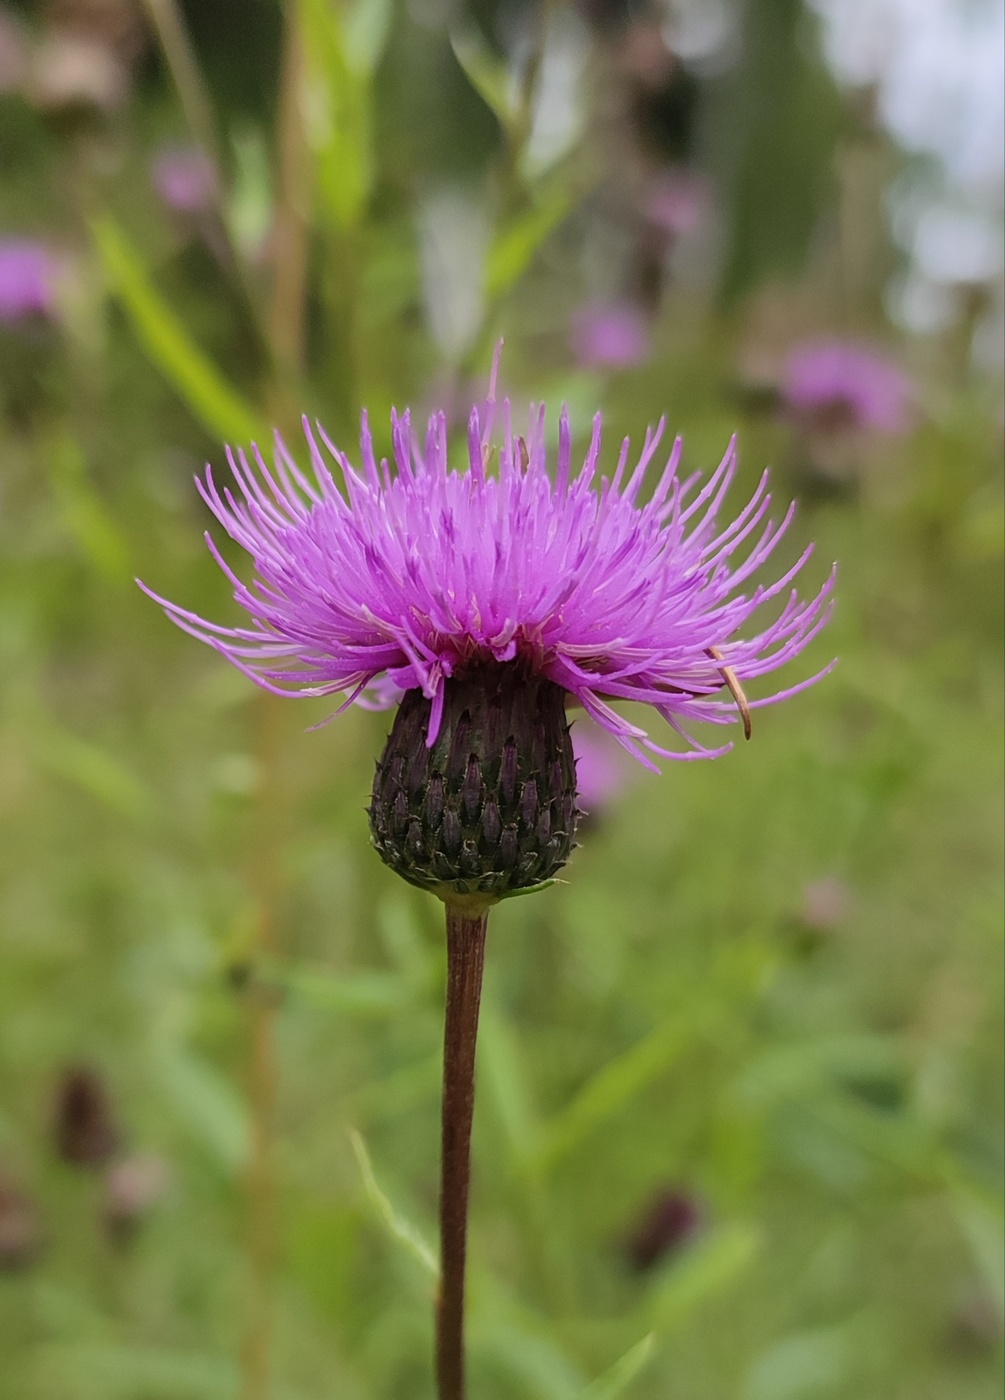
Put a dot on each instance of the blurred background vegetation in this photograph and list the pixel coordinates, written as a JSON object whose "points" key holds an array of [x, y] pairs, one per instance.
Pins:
{"points": [[739, 1124]]}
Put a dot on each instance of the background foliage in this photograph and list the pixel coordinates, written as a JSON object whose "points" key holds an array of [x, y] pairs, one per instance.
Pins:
{"points": [[771, 983]]}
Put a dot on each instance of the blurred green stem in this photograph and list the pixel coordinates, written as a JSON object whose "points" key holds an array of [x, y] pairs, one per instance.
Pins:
{"points": [[290, 238], [286, 338], [166, 18], [514, 191], [343, 276], [169, 25], [465, 965], [262, 1074]]}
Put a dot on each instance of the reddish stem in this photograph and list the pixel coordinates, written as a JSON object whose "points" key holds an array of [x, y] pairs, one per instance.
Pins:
{"points": [[465, 963]]}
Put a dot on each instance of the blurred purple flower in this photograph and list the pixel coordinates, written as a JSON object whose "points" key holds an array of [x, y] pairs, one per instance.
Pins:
{"points": [[602, 769], [184, 178], [678, 201], [27, 280], [386, 584], [840, 384], [610, 335]]}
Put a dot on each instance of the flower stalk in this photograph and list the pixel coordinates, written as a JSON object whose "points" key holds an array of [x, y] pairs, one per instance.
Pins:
{"points": [[466, 926]]}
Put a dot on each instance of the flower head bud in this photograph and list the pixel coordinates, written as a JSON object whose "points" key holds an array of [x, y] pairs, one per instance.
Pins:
{"points": [[489, 809], [85, 1130], [671, 1220]]}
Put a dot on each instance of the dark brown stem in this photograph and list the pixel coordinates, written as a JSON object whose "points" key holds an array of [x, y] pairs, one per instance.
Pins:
{"points": [[465, 963]]}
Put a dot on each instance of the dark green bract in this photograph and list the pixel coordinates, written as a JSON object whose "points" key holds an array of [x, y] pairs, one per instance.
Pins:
{"points": [[490, 808]]}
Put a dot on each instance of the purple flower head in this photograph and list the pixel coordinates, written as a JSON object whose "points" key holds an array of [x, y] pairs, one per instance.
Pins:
{"points": [[839, 384], [610, 335], [27, 280], [386, 582], [184, 178]]}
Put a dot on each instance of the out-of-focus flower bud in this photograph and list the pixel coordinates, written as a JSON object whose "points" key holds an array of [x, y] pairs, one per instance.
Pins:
{"points": [[671, 1220], [85, 1131]]}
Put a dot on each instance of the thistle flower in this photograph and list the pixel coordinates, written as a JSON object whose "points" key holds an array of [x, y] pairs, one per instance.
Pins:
{"points": [[482, 603], [840, 384], [405, 584], [396, 583]]}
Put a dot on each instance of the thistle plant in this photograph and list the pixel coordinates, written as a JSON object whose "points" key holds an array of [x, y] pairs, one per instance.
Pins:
{"points": [[484, 604]]}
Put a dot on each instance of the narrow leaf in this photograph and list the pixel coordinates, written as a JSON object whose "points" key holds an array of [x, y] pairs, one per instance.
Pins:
{"points": [[704, 1271], [353, 994], [84, 511], [516, 244], [367, 24], [218, 406], [339, 116], [207, 1102], [95, 771], [980, 1219], [487, 74], [396, 1225], [616, 1381], [613, 1086]]}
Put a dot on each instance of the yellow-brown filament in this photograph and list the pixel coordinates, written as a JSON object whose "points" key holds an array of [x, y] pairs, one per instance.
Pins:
{"points": [[735, 689]]}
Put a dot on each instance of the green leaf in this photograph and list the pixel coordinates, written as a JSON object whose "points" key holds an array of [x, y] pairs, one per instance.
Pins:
{"points": [[396, 1225], [777, 137], [616, 1381], [366, 26], [214, 402], [84, 511], [501, 1069], [702, 1272], [111, 1372], [981, 1220], [520, 1342], [517, 243], [805, 1365], [123, 1373], [735, 977], [94, 771], [352, 994], [207, 1102], [613, 1086], [487, 74], [339, 115]]}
